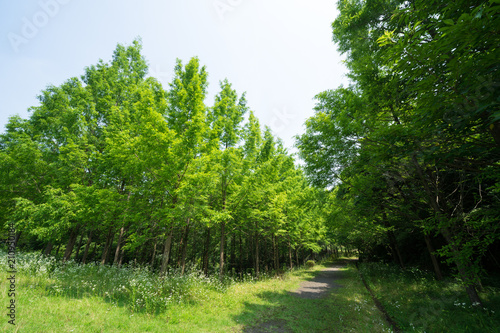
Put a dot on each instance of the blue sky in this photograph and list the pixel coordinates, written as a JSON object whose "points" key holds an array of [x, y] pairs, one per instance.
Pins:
{"points": [[280, 51]]}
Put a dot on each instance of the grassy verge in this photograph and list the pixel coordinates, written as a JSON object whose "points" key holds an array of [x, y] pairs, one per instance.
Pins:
{"points": [[51, 297], [419, 303]]}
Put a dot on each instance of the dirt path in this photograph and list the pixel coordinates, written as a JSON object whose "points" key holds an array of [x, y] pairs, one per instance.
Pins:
{"points": [[320, 286]]}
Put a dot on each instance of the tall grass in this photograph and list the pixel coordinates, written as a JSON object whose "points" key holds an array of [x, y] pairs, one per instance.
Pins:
{"points": [[420, 303], [135, 287]]}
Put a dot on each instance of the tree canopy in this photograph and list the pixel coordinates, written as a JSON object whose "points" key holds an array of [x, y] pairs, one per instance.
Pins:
{"points": [[411, 146], [113, 167]]}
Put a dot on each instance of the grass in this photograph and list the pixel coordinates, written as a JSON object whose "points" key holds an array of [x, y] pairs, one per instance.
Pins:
{"points": [[419, 303], [52, 297]]}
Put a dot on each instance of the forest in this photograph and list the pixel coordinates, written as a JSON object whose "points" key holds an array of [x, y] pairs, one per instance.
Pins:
{"points": [[401, 166], [410, 149], [113, 168]]}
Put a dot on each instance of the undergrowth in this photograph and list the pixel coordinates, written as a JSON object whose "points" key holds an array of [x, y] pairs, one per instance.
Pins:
{"points": [[135, 287], [420, 303]]}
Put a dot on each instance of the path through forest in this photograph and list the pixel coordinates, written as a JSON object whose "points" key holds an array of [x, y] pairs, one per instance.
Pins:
{"points": [[320, 286]]}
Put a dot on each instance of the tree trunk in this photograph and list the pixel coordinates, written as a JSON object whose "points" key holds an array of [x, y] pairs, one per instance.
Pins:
{"points": [[232, 260], [184, 247], [166, 253], [469, 281], [240, 256], [290, 255], [87, 246], [257, 263], [275, 254], [152, 263], [109, 242], [395, 246], [122, 254], [79, 246], [94, 250], [118, 246], [71, 243], [48, 249], [435, 263], [18, 235], [206, 251], [222, 239]]}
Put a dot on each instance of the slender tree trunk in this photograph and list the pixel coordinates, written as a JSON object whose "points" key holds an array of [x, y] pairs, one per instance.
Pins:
{"points": [[109, 241], [48, 249], [275, 254], [122, 254], [232, 259], [71, 243], [206, 251], [394, 245], [118, 246], [240, 255], [57, 249], [87, 246], [166, 253], [469, 281], [290, 255], [222, 239], [152, 263], [257, 263], [435, 263], [79, 246], [184, 247], [18, 235], [94, 250]]}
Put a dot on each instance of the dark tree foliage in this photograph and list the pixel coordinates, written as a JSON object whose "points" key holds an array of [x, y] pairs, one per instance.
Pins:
{"points": [[412, 147]]}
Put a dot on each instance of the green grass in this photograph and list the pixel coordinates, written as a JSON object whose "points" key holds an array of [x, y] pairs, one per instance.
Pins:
{"points": [[52, 297], [419, 303]]}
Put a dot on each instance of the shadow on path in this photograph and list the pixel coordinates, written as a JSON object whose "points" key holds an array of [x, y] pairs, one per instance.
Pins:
{"points": [[321, 285], [307, 305]]}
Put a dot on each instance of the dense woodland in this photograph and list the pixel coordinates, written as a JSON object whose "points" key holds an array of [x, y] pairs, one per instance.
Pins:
{"points": [[112, 168], [411, 148], [402, 164]]}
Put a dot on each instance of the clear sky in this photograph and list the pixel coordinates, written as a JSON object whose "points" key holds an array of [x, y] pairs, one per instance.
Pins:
{"points": [[279, 51]]}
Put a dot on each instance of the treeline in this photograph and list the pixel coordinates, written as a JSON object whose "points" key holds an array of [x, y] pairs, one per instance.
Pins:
{"points": [[110, 167], [411, 148]]}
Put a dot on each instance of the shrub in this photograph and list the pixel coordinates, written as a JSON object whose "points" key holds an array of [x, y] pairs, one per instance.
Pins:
{"points": [[310, 263]]}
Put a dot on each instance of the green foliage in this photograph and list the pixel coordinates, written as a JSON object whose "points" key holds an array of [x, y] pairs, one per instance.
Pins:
{"points": [[419, 303], [112, 168], [412, 143]]}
